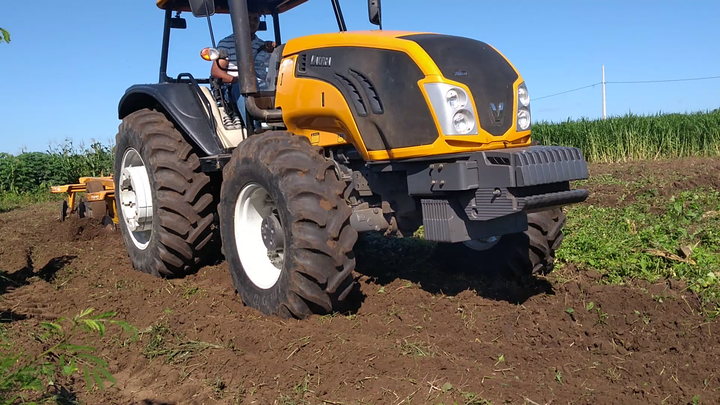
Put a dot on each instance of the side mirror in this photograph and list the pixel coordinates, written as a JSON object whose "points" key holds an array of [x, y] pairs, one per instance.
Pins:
{"points": [[202, 8], [374, 12], [178, 23], [262, 26]]}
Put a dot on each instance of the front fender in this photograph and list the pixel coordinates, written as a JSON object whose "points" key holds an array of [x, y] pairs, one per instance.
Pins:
{"points": [[179, 102]]}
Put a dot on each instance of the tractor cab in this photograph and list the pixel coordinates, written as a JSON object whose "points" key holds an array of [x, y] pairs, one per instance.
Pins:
{"points": [[257, 98]]}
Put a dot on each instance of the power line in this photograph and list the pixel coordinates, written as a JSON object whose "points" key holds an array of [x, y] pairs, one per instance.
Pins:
{"points": [[568, 91], [629, 82], [665, 81]]}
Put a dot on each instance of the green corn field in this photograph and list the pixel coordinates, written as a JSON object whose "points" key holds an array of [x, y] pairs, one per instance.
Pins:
{"points": [[633, 137], [617, 139], [33, 172]]}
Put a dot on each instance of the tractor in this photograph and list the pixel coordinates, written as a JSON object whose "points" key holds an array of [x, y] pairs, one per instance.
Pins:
{"points": [[354, 131]]}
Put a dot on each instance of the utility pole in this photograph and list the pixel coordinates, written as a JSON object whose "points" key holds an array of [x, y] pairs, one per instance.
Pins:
{"points": [[603, 91]]}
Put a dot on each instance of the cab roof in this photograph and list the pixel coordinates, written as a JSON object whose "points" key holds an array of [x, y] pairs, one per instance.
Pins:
{"points": [[221, 6]]}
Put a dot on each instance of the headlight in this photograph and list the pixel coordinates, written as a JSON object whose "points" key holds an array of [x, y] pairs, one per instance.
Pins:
{"points": [[463, 121], [523, 119], [455, 99], [523, 103], [453, 109], [523, 96]]}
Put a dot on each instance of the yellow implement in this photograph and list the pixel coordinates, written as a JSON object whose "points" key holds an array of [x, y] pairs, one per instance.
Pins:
{"points": [[97, 202]]}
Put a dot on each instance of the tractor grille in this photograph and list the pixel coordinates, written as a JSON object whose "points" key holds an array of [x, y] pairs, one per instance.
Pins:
{"points": [[482, 69]]}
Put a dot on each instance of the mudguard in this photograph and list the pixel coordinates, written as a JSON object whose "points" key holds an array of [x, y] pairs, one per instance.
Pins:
{"points": [[181, 103]]}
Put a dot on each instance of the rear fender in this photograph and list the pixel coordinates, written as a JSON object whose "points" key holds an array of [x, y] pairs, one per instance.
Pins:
{"points": [[180, 104]]}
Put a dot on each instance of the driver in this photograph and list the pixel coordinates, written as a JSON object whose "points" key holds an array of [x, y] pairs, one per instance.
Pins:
{"points": [[261, 58]]}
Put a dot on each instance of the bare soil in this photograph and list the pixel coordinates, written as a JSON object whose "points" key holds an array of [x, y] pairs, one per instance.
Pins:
{"points": [[434, 337], [621, 184]]}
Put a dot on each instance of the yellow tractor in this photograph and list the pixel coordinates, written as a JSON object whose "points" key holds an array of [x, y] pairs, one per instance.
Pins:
{"points": [[326, 136]]}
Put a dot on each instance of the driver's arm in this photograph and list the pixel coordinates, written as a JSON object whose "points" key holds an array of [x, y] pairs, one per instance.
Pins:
{"points": [[215, 71]]}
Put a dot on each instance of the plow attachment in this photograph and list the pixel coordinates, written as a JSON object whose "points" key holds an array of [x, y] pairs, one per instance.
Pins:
{"points": [[97, 201]]}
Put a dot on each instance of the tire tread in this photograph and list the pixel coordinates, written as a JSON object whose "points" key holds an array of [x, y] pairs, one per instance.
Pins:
{"points": [[183, 191], [323, 239]]}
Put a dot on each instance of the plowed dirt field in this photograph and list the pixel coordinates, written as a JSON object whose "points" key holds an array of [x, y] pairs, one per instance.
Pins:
{"points": [[444, 336]]}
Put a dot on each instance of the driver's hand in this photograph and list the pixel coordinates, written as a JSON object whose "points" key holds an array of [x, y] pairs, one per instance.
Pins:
{"points": [[269, 46]]}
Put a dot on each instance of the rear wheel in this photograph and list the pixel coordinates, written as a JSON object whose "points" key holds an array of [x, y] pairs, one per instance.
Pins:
{"points": [[164, 202], [285, 227]]}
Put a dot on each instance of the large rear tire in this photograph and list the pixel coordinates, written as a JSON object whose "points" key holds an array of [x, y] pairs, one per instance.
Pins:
{"points": [[165, 206], [285, 227]]}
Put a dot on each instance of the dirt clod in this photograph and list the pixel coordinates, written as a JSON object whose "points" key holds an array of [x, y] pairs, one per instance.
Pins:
{"points": [[82, 229]]}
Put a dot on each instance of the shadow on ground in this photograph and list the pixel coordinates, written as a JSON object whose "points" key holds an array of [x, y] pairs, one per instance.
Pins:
{"points": [[22, 277], [442, 270]]}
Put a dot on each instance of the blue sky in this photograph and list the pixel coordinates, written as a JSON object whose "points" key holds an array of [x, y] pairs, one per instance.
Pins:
{"points": [[68, 65]]}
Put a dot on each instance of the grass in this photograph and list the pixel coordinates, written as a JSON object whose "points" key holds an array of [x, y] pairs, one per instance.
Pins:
{"points": [[172, 347], [633, 137], [680, 239], [652, 238], [64, 355], [10, 201]]}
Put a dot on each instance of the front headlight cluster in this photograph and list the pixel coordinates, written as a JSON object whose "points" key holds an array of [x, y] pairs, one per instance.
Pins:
{"points": [[523, 103], [453, 109]]}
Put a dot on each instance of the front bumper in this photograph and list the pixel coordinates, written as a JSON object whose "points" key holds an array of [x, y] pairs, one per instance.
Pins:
{"points": [[489, 193]]}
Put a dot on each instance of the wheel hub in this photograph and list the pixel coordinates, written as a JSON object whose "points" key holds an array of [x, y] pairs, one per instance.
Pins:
{"points": [[135, 197], [272, 233], [482, 243], [259, 237]]}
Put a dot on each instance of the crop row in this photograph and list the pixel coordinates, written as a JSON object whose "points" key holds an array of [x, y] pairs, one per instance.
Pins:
{"points": [[616, 139], [633, 137]]}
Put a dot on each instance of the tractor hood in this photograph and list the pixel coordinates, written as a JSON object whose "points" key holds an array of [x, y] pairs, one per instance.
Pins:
{"points": [[490, 77], [396, 84]]}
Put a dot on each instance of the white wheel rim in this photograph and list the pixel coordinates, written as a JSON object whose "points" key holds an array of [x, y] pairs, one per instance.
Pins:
{"points": [[136, 198], [482, 244], [262, 266]]}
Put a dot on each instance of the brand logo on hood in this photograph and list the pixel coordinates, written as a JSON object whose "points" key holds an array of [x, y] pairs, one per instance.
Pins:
{"points": [[497, 111]]}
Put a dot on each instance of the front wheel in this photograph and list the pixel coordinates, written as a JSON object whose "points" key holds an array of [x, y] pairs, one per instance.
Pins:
{"points": [[521, 254], [285, 227]]}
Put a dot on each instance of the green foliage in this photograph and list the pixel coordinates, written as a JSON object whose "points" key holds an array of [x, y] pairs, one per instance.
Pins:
{"points": [[639, 242], [29, 172], [633, 137], [63, 359], [4, 35], [10, 201]]}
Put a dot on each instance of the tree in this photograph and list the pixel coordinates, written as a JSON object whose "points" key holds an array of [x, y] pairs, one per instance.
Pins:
{"points": [[4, 35]]}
